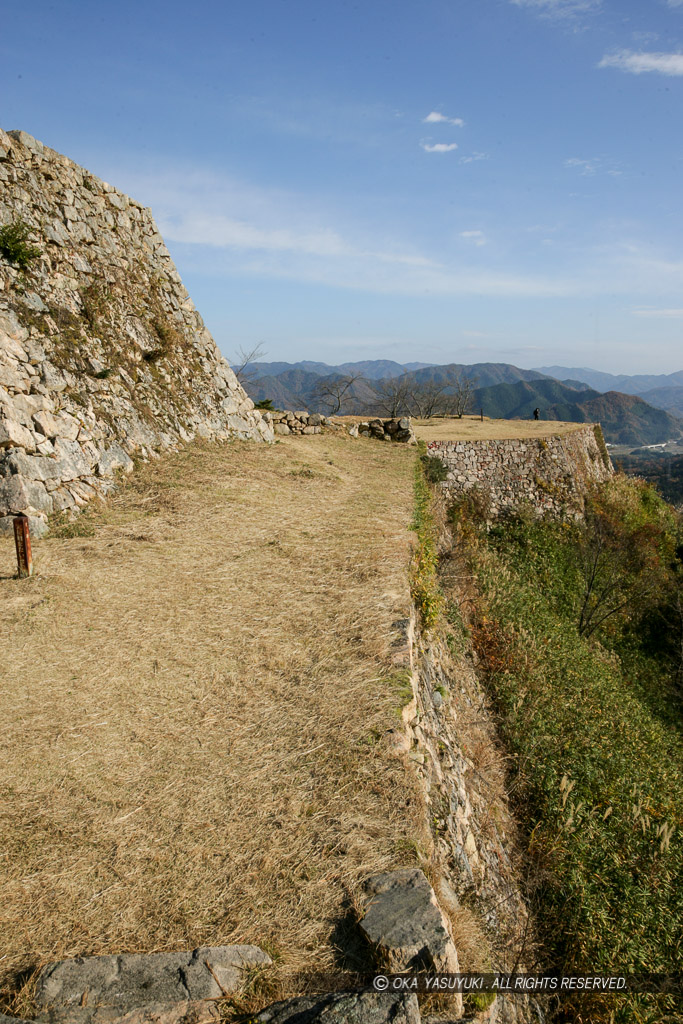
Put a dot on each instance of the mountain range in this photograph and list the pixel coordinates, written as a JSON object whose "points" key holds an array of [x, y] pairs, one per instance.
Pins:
{"points": [[663, 390], [501, 390]]}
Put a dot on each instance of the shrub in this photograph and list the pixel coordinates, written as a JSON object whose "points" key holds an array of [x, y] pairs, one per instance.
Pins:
{"points": [[425, 589], [14, 244], [434, 469], [593, 732]]}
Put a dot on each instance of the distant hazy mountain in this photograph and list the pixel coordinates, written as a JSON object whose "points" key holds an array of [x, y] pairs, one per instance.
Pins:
{"points": [[628, 384], [371, 369], [670, 399], [484, 374]]}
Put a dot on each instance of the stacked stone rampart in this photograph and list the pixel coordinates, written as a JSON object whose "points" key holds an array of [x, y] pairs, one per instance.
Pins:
{"points": [[102, 354], [550, 473]]}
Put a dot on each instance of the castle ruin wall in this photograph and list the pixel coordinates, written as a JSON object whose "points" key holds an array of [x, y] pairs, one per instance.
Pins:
{"points": [[103, 356], [550, 473]]}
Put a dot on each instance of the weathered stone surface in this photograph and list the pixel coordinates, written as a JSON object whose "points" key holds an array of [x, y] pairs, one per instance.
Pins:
{"points": [[112, 459], [404, 921], [188, 1012], [13, 435], [345, 1008], [37, 526], [137, 980], [550, 473], [106, 346], [19, 495]]}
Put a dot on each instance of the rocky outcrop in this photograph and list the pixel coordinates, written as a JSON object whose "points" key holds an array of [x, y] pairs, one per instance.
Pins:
{"points": [[103, 356], [550, 473], [394, 429]]}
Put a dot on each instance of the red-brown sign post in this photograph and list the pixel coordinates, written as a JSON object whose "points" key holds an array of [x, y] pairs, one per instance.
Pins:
{"points": [[22, 540]]}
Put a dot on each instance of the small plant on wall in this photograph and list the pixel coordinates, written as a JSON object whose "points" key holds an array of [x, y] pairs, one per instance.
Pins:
{"points": [[14, 244]]}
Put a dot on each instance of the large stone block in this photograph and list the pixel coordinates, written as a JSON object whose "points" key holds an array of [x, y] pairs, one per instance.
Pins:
{"points": [[20, 495], [404, 921], [345, 1008], [37, 528], [136, 981], [13, 435], [112, 459]]}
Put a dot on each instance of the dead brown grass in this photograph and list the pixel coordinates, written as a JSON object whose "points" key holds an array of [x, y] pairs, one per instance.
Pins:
{"points": [[471, 428], [191, 699]]}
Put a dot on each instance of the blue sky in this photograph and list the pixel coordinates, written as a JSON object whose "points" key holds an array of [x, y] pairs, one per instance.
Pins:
{"points": [[448, 180]]}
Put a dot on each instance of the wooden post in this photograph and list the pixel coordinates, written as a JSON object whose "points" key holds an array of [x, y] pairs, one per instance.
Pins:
{"points": [[22, 540]]}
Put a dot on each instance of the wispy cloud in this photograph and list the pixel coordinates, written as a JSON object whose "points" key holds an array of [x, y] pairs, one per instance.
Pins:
{"points": [[675, 3], [659, 314], [472, 157], [637, 63], [588, 168], [230, 230], [585, 167], [439, 147], [475, 237], [436, 118], [560, 8]]}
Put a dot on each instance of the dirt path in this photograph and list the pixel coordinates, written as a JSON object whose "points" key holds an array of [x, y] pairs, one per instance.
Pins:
{"points": [[192, 696]]}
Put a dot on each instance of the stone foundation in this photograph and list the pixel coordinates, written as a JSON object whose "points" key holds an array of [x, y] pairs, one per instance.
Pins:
{"points": [[551, 473]]}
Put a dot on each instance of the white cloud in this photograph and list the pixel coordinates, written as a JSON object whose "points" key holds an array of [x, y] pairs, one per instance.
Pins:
{"points": [[585, 167], [436, 118], [660, 314], [560, 8], [439, 147], [588, 168], [675, 3], [637, 63], [476, 237], [473, 157]]}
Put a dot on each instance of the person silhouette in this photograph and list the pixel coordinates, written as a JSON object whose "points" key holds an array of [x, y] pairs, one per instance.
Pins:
{"points": [[537, 413]]}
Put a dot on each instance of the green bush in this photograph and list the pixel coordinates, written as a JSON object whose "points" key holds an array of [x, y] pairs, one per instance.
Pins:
{"points": [[434, 469], [593, 728], [424, 581], [14, 244]]}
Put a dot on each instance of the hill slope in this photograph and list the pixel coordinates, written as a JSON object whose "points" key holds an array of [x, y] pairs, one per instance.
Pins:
{"points": [[625, 419]]}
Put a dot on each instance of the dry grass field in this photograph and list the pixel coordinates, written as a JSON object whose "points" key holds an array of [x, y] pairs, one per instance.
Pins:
{"points": [[193, 690], [472, 428]]}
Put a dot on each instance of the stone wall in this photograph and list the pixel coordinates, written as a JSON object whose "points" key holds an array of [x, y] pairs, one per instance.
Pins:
{"points": [[302, 422], [552, 473], [102, 353], [449, 735]]}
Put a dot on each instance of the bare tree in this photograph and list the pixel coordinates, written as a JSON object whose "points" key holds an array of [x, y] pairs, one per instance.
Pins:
{"points": [[460, 394], [428, 398], [241, 364], [332, 391], [392, 395]]}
